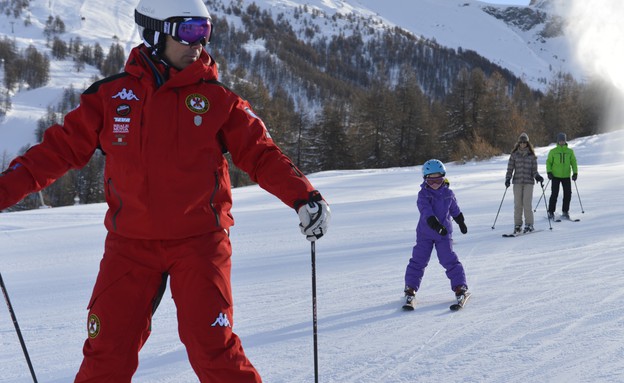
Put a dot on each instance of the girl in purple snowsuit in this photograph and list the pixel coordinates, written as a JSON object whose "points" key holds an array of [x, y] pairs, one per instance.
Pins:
{"points": [[436, 204]]}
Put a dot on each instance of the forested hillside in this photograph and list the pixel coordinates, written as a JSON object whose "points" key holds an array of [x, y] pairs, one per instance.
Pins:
{"points": [[366, 96]]}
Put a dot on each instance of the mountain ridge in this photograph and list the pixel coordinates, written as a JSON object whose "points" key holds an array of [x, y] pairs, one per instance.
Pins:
{"points": [[323, 18]]}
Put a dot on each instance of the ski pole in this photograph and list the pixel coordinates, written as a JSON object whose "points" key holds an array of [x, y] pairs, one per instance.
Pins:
{"points": [[314, 318], [546, 206], [17, 329], [543, 195], [499, 207], [579, 197]]}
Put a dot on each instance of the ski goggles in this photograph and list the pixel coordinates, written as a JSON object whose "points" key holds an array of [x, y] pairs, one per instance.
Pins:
{"points": [[185, 30], [434, 181], [189, 31]]}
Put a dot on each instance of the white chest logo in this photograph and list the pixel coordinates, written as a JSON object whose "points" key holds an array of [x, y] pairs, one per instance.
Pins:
{"points": [[126, 95]]}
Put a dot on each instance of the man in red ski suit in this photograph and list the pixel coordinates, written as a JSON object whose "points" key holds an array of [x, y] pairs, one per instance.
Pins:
{"points": [[164, 124]]}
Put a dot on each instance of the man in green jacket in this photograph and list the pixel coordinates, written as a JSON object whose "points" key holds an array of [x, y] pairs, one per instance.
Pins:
{"points": [[561, 163]]}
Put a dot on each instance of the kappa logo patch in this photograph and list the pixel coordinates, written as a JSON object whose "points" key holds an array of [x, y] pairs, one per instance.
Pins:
{"points": [[125, 94], [222, 321], [197, 103]]}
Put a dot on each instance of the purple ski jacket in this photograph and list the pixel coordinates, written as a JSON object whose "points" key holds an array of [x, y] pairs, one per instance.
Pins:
{"points": [[441, 203]]}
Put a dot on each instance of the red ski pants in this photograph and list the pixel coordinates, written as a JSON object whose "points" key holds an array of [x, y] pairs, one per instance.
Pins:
{"points": [[128, 288]]}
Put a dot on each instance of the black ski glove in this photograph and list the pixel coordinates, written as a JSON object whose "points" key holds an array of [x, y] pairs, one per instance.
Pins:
{"points": [[549, 174], [436, 225], [539, 178], [460, 221], [507, 182], [574, 177]]}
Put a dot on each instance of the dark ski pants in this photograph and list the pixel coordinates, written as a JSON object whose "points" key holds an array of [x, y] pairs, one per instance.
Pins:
{"points": [[129, 286], [554, 194], [421, 254]]}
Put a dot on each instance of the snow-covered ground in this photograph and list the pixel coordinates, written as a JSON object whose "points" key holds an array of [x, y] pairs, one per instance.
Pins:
{"points": [[545, 307]]}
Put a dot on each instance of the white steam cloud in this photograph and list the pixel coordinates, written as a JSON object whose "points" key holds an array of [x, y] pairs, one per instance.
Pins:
{"points": [[596, 32]]}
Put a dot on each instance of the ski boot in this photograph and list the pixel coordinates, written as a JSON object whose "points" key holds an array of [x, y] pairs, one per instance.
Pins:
{"points": [[528, 228], [517, 229], [410, 298], [461, 294]]}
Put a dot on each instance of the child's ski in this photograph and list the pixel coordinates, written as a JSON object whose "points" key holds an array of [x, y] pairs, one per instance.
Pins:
{"points": [[460, 302]]}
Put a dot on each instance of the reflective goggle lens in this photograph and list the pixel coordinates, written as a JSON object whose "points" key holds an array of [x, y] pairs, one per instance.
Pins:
{"points": [[190, 31], [435, 181]]}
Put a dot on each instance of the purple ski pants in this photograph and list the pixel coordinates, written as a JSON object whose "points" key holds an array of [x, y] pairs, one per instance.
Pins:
{"points": [[421, 254]]}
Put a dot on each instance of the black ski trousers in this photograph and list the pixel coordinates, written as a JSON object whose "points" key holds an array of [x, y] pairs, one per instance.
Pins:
{"points": [[554, 194]]}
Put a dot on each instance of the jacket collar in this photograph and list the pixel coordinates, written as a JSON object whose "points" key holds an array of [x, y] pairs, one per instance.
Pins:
{"points": [[140, 64]]}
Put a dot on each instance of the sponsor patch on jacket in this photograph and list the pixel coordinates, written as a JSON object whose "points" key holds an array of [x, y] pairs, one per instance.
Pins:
{"points": [[121, 128], [197, 103], [121, 125], [123, 110], [120, 140], [93, 326]]}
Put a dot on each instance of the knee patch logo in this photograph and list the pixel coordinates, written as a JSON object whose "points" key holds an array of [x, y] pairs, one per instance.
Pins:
{"points": [[222, 320], [93, 326]]}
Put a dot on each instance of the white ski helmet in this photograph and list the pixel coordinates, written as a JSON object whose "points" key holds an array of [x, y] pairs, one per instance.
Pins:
{"points": [[156, 18]]}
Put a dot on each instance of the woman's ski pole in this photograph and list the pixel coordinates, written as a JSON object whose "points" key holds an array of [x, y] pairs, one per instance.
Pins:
{"points": [[499, 207], [19, 333], [545, 205], [543, 195]]}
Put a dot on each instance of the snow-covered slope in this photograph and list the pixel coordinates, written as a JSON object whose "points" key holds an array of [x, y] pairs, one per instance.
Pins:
{"points": [[465, 24], [546, 307]]}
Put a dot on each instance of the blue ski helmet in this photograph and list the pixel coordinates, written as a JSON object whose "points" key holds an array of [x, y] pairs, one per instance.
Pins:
{"points": [[433, 166]]}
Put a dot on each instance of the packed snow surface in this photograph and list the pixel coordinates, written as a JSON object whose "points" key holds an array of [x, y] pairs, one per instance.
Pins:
{"points": [[546, 307]]}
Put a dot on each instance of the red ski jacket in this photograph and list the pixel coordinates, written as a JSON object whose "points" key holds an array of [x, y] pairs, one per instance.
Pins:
{"points": [[166, 176]]}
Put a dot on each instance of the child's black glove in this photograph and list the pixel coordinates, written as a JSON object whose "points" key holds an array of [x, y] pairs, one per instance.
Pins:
{"points": [[460, 221], [436, 225]]}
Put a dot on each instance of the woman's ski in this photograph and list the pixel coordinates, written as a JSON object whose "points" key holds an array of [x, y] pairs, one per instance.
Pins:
{"points": [[521, 233]]}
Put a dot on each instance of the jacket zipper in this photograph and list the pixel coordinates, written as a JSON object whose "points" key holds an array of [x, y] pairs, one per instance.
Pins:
{"points": [[212, 197], [113, 192]]}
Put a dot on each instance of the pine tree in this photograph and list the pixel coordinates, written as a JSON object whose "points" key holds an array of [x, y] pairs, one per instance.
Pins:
{"points": [[114, 61]]}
